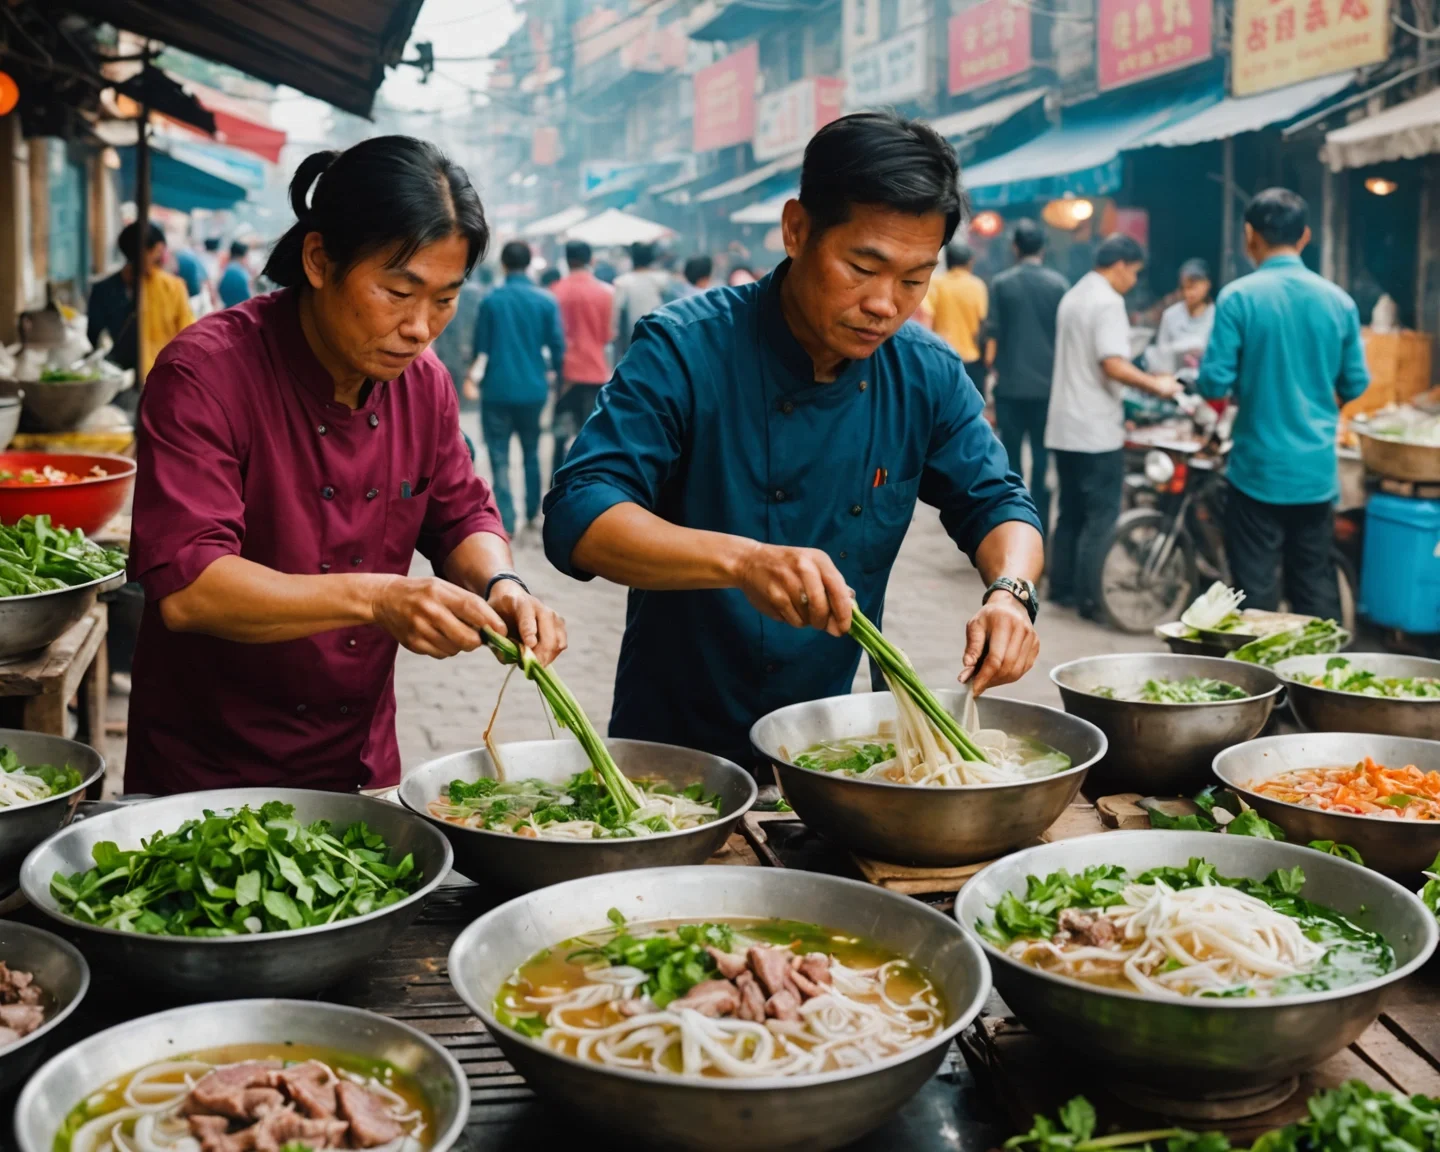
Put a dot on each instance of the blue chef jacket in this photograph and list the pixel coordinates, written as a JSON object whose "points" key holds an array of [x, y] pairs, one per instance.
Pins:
{"points": [[714, 421]]}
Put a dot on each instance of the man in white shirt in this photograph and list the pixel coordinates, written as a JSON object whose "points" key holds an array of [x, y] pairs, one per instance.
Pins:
{"points": [[637, 293], [1085, 427]]}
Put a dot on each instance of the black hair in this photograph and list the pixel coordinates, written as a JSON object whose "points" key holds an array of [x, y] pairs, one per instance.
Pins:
{"points": [[1279, 216], [1028, 237], [1194, 269], [515, 256], [390, 191], [578, 253], [698, 268], [239, 249], [550, 276], [642, 255], [1119, 249], [958, 254], [212, 243], [881, 159], [129, 240]]}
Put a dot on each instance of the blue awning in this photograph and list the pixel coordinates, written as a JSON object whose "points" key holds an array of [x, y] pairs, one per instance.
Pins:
{"points": [[1240, 114], [180, 186], [1081, 156], [746, 19]]}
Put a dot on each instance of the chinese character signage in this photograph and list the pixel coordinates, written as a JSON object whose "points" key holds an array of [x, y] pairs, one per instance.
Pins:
{"points": [[861, 27], [892, 72], [787, 119], [1138, 39], [989, 41], [1280, 42], [725, 100]]}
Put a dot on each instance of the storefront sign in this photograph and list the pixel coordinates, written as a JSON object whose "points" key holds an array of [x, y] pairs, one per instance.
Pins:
{"points": [[1280, 42], [989, 41], [889, 73], [1138, 39], [861, 27], [785, 120], [545, 146], [656, 49], [725, 100]]}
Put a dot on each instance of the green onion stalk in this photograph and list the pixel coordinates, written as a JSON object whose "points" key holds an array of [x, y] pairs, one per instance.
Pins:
{"points": [[901, 676], [570, 715]]}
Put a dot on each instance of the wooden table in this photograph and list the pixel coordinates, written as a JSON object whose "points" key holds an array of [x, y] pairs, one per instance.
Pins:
{"points": [[41, 687]]}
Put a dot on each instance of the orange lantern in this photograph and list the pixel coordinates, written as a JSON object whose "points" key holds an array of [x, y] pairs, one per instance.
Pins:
{"points": [[9, 93]]}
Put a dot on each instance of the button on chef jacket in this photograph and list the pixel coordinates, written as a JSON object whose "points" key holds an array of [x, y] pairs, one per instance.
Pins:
{"points": [[714, 421], [244, 452]]}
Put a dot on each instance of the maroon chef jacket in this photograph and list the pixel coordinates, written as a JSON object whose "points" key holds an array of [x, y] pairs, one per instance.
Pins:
{"points": [[244, 452]]}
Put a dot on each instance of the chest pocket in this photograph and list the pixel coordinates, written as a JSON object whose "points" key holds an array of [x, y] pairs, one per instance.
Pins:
{"points": [[403, 521], [888, 512]]}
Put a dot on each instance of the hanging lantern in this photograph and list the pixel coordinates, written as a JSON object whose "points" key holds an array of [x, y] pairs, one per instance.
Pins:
{"points": [[987, 224], [1379, 186], [9, 93], [1068, 213]]}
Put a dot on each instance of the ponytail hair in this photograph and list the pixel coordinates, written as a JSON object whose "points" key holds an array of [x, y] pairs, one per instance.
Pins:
{"points": [[388, 192]]}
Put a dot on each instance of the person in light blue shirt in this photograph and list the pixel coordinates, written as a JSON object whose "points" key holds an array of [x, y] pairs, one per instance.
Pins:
{"points": [[1286, 344], [518, 322], [756, 460], [235, 280]]}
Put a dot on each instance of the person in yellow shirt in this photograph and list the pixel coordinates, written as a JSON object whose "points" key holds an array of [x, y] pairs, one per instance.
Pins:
{"points": [[958, 302], [112, 302]]}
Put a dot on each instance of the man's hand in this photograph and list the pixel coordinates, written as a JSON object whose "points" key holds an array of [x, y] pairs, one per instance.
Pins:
{"points": [[1169, 387], [469, 389], [800, 586], [1001, 631], [432, 616], [537, 627]]}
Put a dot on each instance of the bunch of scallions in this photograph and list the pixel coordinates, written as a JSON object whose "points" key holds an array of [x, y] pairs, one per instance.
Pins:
{"points": [[570, 715]]}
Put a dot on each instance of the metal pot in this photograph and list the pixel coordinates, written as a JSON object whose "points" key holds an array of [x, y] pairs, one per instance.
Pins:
{"points": [[31, 623], [1325, 710], [24, 825], [61, 971]]}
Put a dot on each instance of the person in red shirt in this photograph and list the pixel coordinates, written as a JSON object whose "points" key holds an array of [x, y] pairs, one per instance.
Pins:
{"points": [[294, 451], [587, 318]]}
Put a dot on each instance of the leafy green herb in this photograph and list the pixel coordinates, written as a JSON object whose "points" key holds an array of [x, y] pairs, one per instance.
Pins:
{"points": [[1186, 690], [531, 1026], [1430, 892], [854, 758], [237, 872], [1241, 821], [36, 556], [27, 783], [508, 805], [1251, 823], [675, 959], [1311, 639], [1341, 676]]}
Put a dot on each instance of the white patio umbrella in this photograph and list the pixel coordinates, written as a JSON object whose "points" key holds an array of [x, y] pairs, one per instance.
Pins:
{"points": [[614, 229]]}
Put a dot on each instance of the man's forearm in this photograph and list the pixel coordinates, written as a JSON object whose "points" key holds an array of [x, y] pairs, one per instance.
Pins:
{"points": [[1120, 369], [476, 559], [1013, 548], [628, 545]]}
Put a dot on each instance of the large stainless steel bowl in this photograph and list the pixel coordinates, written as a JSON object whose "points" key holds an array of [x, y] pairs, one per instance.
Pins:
{"points": [[910, 824], [29, 623], [792, 1113], [1195, 1048], [9, 419], [1399, 459], [60, 970], [61, 405], [1162, 749], [514, 864], [268, 964], [1401, 848], [78, 1071], [25, 825], [1325, 710]]}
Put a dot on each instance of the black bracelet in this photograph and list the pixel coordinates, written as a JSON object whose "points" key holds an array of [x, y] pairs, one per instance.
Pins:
{"points": [[499, 576]]}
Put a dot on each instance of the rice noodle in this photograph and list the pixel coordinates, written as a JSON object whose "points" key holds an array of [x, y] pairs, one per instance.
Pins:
{"points": [[19, 787]]}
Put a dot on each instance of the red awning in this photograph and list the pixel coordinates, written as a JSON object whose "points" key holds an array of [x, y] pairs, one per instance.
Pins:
{"points": [[232, 126]]}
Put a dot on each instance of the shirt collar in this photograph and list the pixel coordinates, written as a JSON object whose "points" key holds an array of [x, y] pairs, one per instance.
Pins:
{"points": [[1284, 260], [775, 330], [512, 277], [297, 358]]}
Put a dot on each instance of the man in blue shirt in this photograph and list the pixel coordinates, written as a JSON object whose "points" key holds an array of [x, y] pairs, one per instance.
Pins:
{"points": [[517, 322], [759, 452], [1286, 344], [235, 280]]}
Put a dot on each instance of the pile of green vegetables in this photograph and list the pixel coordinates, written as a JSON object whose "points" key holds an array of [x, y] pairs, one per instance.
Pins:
{"points": [[1223, 811], [1217, 609], [237, 872], [1354, 954], [1430, 893], [36, 557], [505, 804], [1187, 690], [860, 758], [66, 376], [27, 783], [1314, 638], [1340, 676]]}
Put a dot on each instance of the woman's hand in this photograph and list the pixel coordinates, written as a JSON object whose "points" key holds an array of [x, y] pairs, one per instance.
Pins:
{"points": [[434, 617], [537, 627]]}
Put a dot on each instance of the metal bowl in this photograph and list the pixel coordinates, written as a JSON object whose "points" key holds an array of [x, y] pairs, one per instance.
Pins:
{"points": [[31, 623], [62, 405], [60, 970], [1396, 847], [1230, 1051], [516, 864], [1325, 710], [271, 963], [25, 825], [68, 1078], [9, 419], [792, 1113], [1398, 459], [915, 824], [1163, 749]]}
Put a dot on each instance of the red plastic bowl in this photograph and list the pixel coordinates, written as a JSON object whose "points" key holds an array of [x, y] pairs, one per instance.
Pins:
{"points": [[87, 504]]}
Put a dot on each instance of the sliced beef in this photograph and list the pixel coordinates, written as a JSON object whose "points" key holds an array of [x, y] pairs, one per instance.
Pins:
{"points": [[784, 1005], [808, 988], [370, 1122], [211, 1131], [1083, 928], [727, 963], [711, 998], [311, 1086], [14, 986], [222, 1091], [772, 968], [22, 1018], [258, 1101], [752, 1000], [815, 967]]}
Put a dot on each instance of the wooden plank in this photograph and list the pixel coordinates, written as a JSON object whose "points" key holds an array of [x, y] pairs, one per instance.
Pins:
{"points": [[46, 671], [1412, 1071]]}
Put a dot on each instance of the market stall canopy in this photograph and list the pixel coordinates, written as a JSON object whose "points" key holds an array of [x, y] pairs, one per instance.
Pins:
{"points": [[745, 19], [334, 50], [234, 127], [764, 211], [1236, 115], [1404, 132], [959, 125], [176, 184], [614, 229], [555, 224], [750, 179]]}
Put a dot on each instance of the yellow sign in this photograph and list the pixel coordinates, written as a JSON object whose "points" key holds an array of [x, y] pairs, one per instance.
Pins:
{"points": [[1280, 42]]}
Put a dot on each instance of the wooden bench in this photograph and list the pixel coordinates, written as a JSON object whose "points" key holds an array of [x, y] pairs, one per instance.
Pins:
{"points": [[42, 686]]}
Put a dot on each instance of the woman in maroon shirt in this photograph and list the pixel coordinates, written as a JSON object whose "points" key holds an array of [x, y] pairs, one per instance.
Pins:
{"points": [[294, 453]]}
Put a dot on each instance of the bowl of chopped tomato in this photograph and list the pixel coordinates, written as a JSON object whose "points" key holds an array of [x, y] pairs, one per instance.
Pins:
{"points": [[84, 491]]}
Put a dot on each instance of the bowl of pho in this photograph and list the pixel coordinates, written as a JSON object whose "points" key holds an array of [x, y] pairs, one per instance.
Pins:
{"points": [[547, 815], [1365, 692], [1194, 966], [879, 779], [722, 1008], [43, 979], [42, 780], [240, 891], [242, 1075], [1166, 717], [1378, 794]]}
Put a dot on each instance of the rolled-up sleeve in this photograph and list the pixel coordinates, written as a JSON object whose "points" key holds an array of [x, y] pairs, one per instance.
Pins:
{"points": [[628, 449], [189, 508], [967, 472], [461, 503]]}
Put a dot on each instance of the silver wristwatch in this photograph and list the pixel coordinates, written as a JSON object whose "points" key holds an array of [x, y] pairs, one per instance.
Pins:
{"points": [[1020, 588]]}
